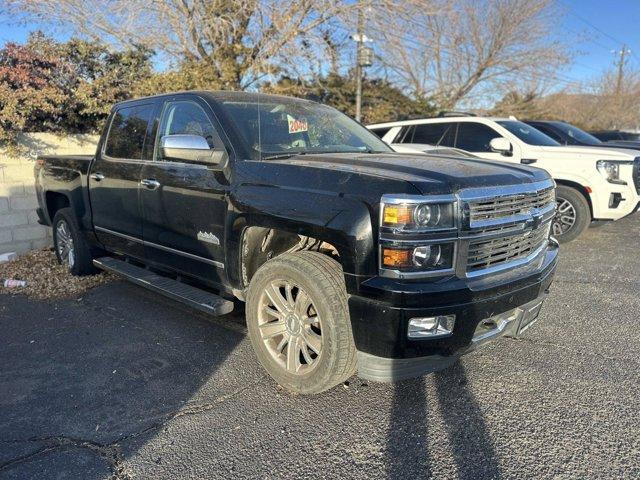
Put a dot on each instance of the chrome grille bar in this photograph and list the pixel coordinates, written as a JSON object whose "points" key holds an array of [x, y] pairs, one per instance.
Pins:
{"points": [[505, 227]]}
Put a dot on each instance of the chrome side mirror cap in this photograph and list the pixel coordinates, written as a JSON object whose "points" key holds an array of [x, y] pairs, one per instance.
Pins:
{"points": [[191, 149]]}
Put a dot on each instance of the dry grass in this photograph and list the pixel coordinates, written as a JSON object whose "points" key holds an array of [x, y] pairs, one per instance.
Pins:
{"points": [[45, 278]]}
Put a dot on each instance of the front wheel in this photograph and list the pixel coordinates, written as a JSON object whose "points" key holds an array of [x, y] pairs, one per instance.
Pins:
{"points": [[298, 322], [572, 216]]}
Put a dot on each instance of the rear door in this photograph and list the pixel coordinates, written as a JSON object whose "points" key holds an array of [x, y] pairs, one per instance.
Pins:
{"points": [[114, 180], [185, 203], [436, 134]]}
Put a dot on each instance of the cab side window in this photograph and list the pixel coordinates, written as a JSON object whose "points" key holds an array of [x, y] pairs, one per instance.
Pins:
{"points": [[475, 137], [441, 134], [127, 132], [380, 131], [186, 117], [550, 132]]}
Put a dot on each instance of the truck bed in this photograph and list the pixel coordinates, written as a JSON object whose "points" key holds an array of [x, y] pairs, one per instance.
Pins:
{"points": [[63, 175]]}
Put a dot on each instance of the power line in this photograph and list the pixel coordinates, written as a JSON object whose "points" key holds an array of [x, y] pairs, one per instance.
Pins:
{"points": [[587, 22]]}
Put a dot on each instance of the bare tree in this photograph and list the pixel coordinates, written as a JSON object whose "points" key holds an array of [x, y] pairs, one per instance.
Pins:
{"points": [[239, 40], [457, 52], [605, 102]]}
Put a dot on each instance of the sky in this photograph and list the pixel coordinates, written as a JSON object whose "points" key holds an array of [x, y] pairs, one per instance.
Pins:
{"points": [[601, 28]]}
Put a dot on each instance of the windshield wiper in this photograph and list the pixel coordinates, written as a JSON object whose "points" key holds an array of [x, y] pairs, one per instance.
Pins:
{"points": [[279, 156]]}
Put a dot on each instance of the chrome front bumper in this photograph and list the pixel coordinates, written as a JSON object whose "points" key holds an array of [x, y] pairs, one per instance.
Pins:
{"points": [[511, 323]]}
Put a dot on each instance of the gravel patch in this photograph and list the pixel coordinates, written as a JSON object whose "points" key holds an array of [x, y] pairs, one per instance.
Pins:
{"points": [[45, 278]]}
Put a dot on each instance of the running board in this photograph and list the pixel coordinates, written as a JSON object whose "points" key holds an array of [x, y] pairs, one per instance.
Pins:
{"points": [[192, 296]]}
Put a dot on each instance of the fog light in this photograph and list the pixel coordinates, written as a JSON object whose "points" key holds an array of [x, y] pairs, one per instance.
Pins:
{"points": [[431, 327]]}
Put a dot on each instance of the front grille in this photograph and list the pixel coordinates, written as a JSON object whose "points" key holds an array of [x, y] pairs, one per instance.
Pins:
{"points": [[509, 205], [484, 254], [636, 174]]}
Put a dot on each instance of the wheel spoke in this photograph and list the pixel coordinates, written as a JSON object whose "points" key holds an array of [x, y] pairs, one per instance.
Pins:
{"points": [[302, 303], [283, 342], [289, 295], [564, 206], [272, 329], [278, 301], [293, 355], [307, 355], [274, 313], [312, 339]]}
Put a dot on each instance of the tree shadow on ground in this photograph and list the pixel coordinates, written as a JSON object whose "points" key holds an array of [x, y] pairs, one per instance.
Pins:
{"points": [[409, 452]]}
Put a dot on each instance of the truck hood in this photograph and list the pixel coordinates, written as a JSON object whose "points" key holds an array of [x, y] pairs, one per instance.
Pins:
{"points": [[428, 174], [592, 153]]}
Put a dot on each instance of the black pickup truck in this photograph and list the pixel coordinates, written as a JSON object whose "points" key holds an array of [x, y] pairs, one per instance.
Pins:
{"points": [[348, 256]]}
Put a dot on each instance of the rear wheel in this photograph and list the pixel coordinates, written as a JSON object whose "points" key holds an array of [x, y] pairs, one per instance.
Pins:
{"points": [[572, 216], [70, 244], [298, 322]]}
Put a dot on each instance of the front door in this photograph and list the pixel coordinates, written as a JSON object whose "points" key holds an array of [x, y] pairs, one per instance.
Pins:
{"points": [[184, 203], [476, 137], [114, 181]]}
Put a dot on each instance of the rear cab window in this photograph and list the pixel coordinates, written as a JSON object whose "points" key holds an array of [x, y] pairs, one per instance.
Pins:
{"points": [[127, 132]]}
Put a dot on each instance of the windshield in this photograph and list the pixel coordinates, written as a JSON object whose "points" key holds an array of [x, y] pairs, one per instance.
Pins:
{"points": [[580, 136], [281, 126], [528, 134]]}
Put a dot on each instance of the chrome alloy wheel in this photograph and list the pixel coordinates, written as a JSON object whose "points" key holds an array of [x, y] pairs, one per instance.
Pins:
{"points": [[290, 327], [64, 241], [565, 217]]}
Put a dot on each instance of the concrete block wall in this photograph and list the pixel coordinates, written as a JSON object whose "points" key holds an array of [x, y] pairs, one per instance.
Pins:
{"points": [[19, 229]]}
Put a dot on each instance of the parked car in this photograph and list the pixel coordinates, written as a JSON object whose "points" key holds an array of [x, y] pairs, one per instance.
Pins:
{"points": [[616, 135], [593, 183], [566, 134], [431, 150], [347, 254]]}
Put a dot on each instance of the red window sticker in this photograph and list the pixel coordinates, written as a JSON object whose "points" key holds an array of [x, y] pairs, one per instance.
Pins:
{"points": [[297, 125]]}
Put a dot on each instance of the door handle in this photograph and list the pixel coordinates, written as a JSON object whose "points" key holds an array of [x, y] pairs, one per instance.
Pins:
{"points": [[528, 161], [97, 176], [150, 183]]}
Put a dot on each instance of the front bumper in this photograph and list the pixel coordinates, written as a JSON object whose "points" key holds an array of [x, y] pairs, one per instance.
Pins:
{"points": [[380, 319]]}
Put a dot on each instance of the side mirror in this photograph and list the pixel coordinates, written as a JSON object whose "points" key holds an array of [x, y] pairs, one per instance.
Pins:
{"points": [[192, 149], [501, 145]]}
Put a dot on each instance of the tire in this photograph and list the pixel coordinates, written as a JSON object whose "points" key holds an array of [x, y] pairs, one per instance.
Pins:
{"points": [[297, 326], [78, 260], [574, 205]]}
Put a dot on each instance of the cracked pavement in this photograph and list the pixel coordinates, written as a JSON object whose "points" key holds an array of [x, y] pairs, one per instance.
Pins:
{"points": [[122, 383]]}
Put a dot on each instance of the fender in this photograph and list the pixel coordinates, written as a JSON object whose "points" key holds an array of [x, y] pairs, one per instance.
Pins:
{"points": [[343, 221]]}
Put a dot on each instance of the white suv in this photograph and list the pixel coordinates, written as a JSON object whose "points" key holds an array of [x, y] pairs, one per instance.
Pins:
{"points": [[593, 183]]}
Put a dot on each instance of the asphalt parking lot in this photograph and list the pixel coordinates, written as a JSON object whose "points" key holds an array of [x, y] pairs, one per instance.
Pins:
{"points": [[122, 383]]}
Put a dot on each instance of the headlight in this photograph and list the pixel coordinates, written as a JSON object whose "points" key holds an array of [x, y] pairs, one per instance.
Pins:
{"points": [[420, 216], [610, 170], [422, 258]]}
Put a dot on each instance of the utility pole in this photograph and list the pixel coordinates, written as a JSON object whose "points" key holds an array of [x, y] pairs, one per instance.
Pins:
{"points": [[364, 58], [621, 63], [359, 43]]}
